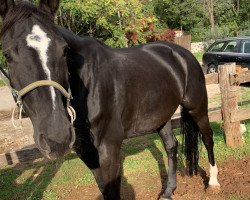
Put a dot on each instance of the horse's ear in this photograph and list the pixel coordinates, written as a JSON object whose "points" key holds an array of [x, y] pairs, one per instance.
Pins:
{"points": [[5, 5], [50, 6]]}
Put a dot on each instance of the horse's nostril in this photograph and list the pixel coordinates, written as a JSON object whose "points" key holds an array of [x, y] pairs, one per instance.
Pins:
{"points": [[43, 144]]}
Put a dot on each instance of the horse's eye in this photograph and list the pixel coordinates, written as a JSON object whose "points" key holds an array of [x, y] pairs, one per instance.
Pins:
{"points": [[66, 49], [7, 57]]}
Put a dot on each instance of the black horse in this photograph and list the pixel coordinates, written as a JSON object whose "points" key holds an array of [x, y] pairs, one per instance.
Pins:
{"points": [[117, 94]]}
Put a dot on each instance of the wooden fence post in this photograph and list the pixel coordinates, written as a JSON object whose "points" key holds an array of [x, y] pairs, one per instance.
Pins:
{"points": [[229, 95]]}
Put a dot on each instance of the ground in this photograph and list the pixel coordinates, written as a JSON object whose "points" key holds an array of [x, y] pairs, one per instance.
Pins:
{"points": [[234, 174], [234, 178]]}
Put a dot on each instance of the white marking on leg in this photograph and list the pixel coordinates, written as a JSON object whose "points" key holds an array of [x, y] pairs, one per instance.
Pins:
{"points": [[213, 181], [39, 40]]}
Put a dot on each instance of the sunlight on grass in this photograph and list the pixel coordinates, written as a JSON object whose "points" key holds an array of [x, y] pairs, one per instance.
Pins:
{"points": [[2, 83], [199, 55], [244, 95]]}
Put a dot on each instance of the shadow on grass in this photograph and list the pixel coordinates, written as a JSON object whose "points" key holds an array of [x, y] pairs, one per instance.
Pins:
{"points": [[27, 180]]}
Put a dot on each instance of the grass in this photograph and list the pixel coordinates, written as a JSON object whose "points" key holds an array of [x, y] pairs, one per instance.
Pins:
{"points": [[199, 55], [140, 155], [2, 83], [244, 95]]}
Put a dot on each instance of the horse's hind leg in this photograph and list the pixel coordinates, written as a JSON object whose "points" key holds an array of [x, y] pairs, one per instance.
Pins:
{"points": [[199, 113], [207, 138], [170, 144]]}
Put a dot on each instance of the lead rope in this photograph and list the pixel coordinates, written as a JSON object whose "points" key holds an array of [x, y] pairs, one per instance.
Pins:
{"points": [[20, 107], [70, 109], [72, 114]]}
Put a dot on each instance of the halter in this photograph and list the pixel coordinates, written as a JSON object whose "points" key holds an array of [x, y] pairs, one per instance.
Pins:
{"points": [[41, 83]]}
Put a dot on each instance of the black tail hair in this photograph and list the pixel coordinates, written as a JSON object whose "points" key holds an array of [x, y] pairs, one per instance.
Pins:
{"points": [[190, 132]]}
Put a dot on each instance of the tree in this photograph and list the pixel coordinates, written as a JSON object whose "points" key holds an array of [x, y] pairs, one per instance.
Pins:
{"points": [[210, 8], [105, 19]]}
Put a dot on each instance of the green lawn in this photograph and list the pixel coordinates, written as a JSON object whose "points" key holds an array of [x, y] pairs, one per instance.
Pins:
{"points": [[199, 55], [244, 96], [2, 83]]}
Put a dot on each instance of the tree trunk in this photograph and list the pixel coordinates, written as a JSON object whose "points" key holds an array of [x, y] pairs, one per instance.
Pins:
{"points": [[210, 9]]}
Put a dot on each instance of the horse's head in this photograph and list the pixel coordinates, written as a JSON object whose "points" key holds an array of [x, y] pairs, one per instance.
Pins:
{"points": [[35, 50]]}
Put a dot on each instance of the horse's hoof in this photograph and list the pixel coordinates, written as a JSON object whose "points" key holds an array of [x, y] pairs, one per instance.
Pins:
{"points": [[214, 185], [214, 189], [165, 198]]}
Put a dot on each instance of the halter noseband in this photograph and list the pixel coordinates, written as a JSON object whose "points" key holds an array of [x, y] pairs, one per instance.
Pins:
{"points": [[41, 83]]}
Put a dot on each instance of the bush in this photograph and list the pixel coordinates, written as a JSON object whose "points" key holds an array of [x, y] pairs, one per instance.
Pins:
{"points": [[2, 59], [199, 34]]}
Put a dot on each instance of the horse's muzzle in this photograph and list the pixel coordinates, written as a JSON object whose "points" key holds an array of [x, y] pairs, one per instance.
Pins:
{"points": [[52, 149]]}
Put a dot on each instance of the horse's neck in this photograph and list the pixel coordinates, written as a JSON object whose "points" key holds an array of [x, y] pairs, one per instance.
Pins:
{"points": [[81, 45], [85, 56]]}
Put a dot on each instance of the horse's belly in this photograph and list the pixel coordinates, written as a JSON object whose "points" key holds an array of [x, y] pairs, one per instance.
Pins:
{"points": [[153, 112]]}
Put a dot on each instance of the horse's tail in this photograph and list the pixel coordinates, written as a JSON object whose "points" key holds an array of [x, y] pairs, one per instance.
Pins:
{"points": [[190, 132]]}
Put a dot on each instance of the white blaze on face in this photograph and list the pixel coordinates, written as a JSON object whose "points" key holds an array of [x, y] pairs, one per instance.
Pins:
{"points": [[213, 181], [39, 41]]}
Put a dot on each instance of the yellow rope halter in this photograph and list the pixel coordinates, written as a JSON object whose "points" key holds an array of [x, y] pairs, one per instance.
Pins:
{"points": [[35, 85]]}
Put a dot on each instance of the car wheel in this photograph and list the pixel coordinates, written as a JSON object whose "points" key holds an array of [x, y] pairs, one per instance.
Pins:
{"points": [[212, 69]]}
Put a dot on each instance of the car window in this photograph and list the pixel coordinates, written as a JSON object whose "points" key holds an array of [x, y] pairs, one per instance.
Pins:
{"points": [[216, 47], [231, 47], [245, 46]]}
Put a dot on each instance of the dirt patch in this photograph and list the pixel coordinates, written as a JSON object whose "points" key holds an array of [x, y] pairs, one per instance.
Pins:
{"points": [[6, 100], [212, 90], [234, 178], [12, 139]]}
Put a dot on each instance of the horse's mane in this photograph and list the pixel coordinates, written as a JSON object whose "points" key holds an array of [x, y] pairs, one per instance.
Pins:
{"points": [[19, 12], [100, 41]]}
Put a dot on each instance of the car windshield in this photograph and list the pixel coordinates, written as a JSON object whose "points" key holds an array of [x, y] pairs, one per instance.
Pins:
{"points": [[216, 47]]}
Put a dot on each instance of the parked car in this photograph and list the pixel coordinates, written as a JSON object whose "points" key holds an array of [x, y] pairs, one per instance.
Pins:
{"points": [[235, 49]]}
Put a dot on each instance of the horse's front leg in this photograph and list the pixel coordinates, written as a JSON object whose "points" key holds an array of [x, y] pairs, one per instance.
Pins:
{"points": [[108, 175], [170, 144]]}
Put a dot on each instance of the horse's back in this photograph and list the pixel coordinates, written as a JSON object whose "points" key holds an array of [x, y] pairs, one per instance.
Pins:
{"points": [[149, 83]]}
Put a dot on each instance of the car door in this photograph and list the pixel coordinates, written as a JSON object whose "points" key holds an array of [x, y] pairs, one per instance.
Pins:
{"points": [[229, 52], [213, 54], [243, 58]]}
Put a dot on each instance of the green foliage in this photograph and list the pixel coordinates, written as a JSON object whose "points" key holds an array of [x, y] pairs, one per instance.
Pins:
{"points": [[2, 59], [111, 20], [108, 20], [231, 17], [2, 63]]}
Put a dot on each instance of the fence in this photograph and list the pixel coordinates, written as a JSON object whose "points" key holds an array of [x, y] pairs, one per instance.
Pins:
{"points": [[229, 112], [184, 41]]}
